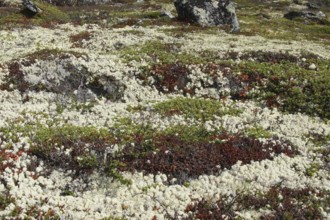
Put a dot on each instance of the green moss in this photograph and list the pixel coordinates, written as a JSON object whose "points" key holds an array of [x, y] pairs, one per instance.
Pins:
{"points": [[258, 132], [50, 15], [82, 107], [73, 133], [157, 51], [126, 131], [151, 14], [146, 188], [112, 171], [319, 140], [257, 19], [291, 87], [312, 169], [137, 108], [89, 161], [5, 200], [192, 133], [50, 54], [16, 129], [200, 109], [181, 30], [67, 192]]}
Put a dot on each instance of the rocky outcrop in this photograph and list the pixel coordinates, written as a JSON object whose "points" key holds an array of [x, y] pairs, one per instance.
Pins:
{"points": [[62, 74], [208, 12]]}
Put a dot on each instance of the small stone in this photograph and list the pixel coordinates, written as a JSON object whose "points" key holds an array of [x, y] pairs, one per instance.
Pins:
{"points": [[312, 66], [320, 14], [167, 14]]}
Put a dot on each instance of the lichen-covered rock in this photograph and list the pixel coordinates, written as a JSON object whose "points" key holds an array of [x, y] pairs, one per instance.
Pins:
{"points": [[63, 74], [208, 12]]}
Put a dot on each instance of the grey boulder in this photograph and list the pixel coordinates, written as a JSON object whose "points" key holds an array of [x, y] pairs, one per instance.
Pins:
{"points": [[208, 12]]}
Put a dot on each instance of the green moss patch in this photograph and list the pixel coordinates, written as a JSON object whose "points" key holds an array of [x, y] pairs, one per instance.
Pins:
{"points": [[193, 133], [49, 16], [199, 109], [71, 147], [265, 18], [156, 51], [258, 132], [288, 86]]}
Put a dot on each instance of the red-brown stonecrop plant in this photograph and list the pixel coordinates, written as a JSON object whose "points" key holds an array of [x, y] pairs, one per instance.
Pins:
{"points": [[183, 159]]}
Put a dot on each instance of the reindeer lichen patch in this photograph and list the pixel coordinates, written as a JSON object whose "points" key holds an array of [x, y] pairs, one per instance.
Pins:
{"points": [[124, 112]]}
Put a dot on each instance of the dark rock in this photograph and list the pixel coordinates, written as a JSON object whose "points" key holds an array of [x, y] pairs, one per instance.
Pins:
{"points": [[308, 16], [31, 7], [119, 45], [208, 12], [108, 87]]}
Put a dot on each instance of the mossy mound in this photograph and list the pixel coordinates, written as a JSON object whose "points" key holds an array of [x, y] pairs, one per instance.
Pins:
{"points": [[49, 16]]}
